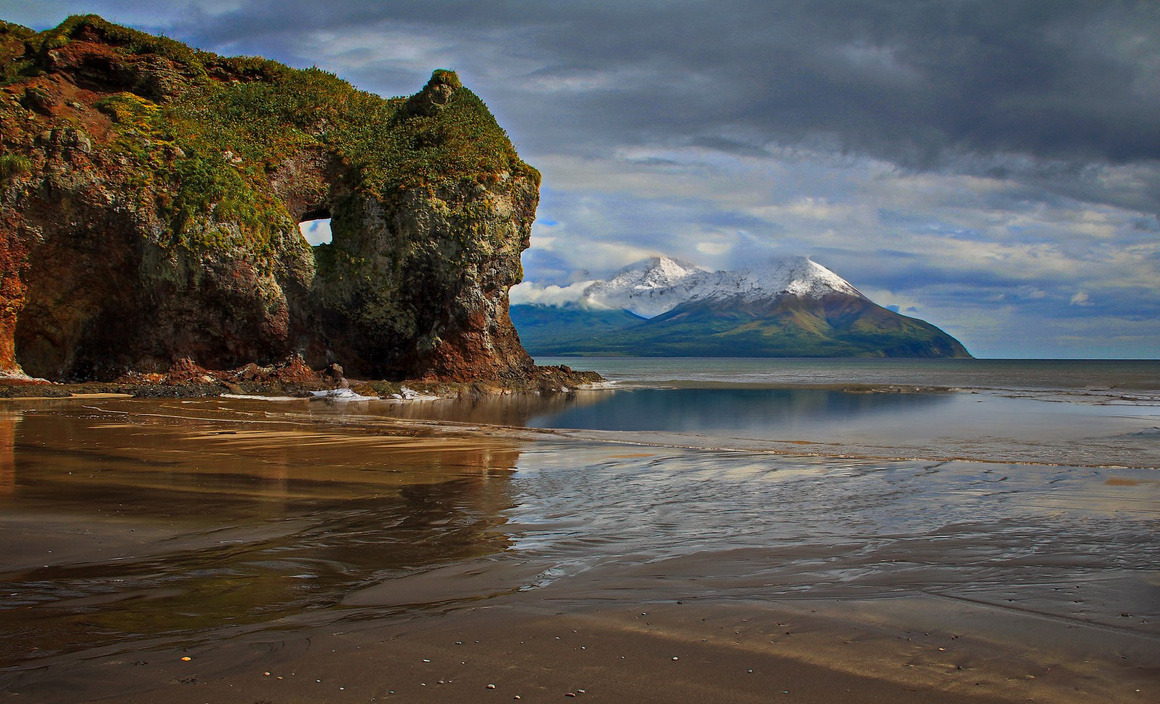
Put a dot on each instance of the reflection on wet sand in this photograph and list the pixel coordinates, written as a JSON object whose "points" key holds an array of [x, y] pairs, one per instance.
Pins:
{"points": [[8, 422], [982, 427], [511, 410], [671, 410], [257, 549], [119, 526], [734, 409]]}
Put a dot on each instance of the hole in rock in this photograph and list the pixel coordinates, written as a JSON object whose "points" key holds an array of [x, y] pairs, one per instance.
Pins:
{"points": [[316, 232]]}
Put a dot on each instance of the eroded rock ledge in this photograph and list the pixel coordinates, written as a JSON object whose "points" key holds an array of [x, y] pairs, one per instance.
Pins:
{"points": [[150, 201], [292, 377]]}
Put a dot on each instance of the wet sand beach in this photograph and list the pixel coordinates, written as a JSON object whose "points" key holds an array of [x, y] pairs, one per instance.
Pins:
{"points": [[301, 551]]}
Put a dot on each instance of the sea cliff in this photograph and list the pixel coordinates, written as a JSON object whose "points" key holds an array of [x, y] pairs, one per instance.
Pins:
{"points": [[150, 201]]}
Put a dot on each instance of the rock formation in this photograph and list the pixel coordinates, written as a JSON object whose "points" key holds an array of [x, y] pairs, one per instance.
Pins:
{"points": [[150, 201]]}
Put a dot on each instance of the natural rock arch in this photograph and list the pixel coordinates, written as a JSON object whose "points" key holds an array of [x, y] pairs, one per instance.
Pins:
{"points": [[151, 198]]}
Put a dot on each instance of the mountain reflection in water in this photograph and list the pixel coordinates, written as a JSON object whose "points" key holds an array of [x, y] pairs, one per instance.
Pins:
{"points": [[883, 421], [738, 409], [673, 409]]}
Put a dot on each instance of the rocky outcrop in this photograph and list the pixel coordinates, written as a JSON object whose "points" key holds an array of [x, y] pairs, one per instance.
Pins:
{"points": [[150, 198]]}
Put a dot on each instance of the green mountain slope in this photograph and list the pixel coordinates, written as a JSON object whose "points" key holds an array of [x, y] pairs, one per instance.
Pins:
{"points": [[552, 327], [787, 326]]}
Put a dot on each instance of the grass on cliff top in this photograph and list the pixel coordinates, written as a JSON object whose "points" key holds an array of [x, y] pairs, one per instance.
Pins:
{"points": [[12, 39], [207, 148], [133, 41]]}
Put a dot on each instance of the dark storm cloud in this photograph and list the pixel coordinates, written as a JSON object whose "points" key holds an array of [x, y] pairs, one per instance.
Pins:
{"points": [[912, 82], [947, 84]]}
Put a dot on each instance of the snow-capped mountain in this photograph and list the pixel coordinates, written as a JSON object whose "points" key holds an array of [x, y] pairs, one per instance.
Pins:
{"points": [[662, 307], [654, 286]]}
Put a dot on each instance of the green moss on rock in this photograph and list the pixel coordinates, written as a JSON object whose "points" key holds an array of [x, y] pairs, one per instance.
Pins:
{"points": [[206, 164], [14, 165]]}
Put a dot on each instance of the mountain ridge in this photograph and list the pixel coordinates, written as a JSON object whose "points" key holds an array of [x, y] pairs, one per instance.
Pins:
{"points": [[653, 286], [664, 307]]}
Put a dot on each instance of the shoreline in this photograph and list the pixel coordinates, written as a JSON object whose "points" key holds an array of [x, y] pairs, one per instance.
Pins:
{"points": [[290, 379], [422, 414]]}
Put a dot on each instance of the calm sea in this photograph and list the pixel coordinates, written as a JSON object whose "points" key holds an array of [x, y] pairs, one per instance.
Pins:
{"points": [[1077, 413], [1099, 377]]}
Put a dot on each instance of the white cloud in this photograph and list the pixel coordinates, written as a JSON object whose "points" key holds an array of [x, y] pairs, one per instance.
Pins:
{"points": [[714, 249], [888, 299], [316, 232], [528, 292], [402, 47], [579, 81]]}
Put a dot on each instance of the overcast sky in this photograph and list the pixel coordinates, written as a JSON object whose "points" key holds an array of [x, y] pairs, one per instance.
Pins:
{"points": [[991, 166]]}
